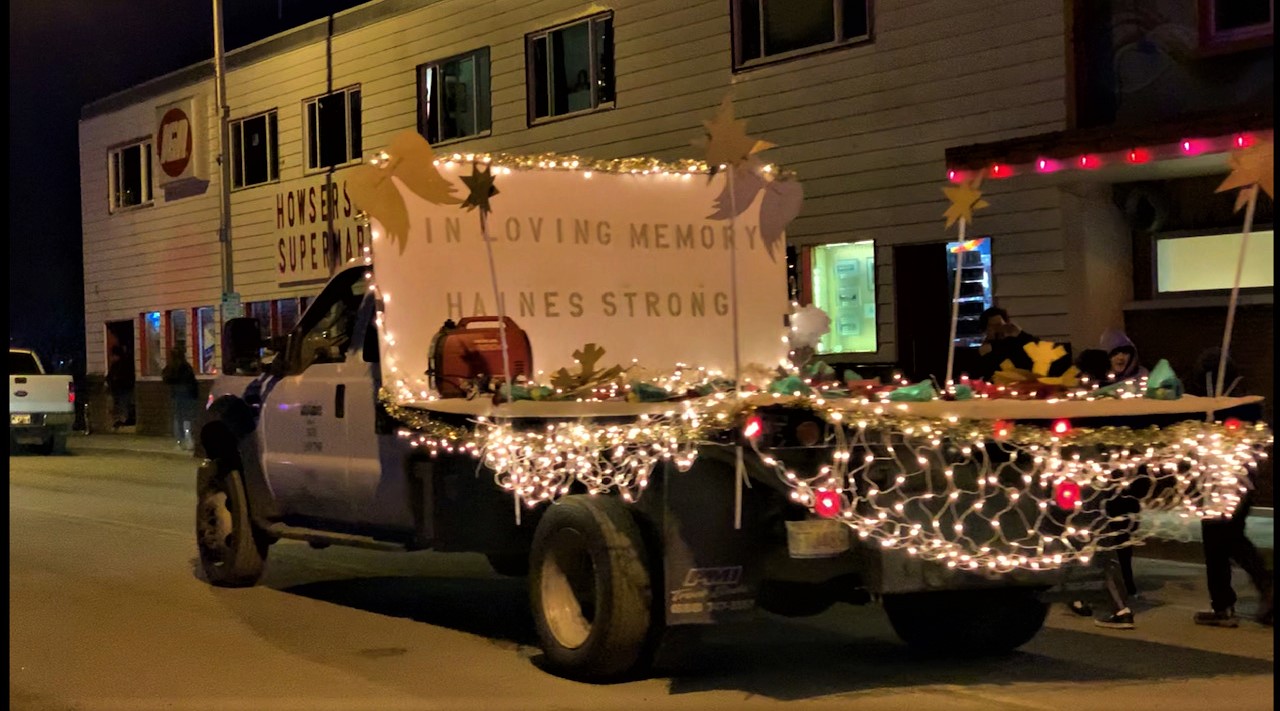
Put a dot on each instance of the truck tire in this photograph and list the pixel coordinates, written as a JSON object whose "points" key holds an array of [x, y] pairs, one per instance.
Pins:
{"points": [[233, 551], [590, 589], [967, 622]]}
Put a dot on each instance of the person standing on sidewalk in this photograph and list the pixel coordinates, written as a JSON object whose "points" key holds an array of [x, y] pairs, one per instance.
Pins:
{"points": [[183, 391], [120, 381], [1225, 541]]}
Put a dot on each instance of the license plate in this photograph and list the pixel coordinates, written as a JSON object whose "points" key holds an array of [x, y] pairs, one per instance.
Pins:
{"points": [[19, 419], [817, 538]]}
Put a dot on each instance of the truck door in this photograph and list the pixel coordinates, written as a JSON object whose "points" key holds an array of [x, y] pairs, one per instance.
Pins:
{"points": [[305, 432], [376, 473]]}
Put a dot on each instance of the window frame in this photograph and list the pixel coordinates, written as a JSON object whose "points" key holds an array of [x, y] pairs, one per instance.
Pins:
{"points": [[145, 347], [1214, 42], [147, 186], [593, 80], [197, 341], [484, 122], [355, 154], [273, 149], [736, 30]]}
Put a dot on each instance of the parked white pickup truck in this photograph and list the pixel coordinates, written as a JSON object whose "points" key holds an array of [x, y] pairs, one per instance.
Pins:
{"points": [[41, 407]]}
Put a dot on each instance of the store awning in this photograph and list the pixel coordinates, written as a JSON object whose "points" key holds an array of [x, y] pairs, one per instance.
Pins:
{"points": [[1190, 146]]}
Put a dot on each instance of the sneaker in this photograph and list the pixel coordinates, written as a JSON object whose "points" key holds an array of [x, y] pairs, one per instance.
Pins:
{"points": [[1080, 607], [1214, 618], [1122, 620]]}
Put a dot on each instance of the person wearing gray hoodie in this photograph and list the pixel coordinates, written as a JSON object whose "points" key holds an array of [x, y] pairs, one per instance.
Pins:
{"points": [[1123, 356]]}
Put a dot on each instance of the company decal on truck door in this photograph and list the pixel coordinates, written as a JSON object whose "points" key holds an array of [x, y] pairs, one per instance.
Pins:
{"points": [[311, 441]]}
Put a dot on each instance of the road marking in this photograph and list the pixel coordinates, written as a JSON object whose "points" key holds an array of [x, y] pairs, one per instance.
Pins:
{"points": [[105, 521]]}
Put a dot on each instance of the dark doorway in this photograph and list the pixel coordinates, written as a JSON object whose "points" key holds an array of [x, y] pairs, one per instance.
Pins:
{"points": [[121, 376], [922, 312]]}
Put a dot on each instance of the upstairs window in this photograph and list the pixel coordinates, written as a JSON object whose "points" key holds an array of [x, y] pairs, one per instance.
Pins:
{"points": [[571, 68], [766, 30], [254, 155], [453, 97], [332, 133], [1228, 25], [129, 173]]}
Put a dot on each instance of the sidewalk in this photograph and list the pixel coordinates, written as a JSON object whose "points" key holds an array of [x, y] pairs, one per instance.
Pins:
{"points": [[125, 442]]}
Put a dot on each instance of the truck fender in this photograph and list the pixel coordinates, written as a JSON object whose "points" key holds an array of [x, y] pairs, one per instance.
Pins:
{"points": [[229, 438]]}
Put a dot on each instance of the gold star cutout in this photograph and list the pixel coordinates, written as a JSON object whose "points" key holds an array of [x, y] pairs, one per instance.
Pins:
{"points": [[727, 142], [1251, 168], [965, 198], [481, 184]]}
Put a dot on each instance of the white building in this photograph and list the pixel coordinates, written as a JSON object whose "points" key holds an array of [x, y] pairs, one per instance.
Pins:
{"points": [[862, 99]]}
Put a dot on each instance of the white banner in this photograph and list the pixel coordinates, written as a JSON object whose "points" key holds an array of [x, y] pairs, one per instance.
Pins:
{"points": [[630, 262]]}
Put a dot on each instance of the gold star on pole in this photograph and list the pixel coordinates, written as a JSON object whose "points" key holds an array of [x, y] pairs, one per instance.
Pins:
{"points": [[480, 182], [965, 198], [726, 141], [1251, 168]]}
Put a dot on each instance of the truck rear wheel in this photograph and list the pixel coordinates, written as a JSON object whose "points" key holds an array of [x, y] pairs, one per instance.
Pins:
{"points": [[967, 622], [233, 552], [590, 589]]}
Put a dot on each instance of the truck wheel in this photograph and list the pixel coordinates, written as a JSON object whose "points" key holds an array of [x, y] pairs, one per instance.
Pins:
{"points": [[590, 589], [233, 552], [967, 622]]}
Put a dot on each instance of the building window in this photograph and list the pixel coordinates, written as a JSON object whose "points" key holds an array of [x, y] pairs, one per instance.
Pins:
{"points": [[1204, 263], [260, 310], [976, 293], [570, 68], [1226, 25], [287, 313], [207, 340], [332, 133], [453, 97], [843, 284], [179, 336], [129, 173], [772, 29], [254, 155], [153, 355]]}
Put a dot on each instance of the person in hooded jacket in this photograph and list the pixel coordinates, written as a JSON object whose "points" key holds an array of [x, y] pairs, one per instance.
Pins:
{"points": [[1123, 356]]}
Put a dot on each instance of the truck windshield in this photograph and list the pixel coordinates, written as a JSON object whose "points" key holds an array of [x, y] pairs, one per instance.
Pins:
{"points": [[22, 363]]}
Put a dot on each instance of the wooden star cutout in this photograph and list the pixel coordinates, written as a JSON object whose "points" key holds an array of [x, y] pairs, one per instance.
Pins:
{"points": [[480, 182], [1251, 168], [727, 142], [965, 198]]}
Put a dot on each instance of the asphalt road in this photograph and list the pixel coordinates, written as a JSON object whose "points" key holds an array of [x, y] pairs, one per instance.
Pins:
{"points": [[107, 611]]}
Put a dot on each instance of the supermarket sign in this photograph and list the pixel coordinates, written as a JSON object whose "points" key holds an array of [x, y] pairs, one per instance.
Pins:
{"points": [[315, 230]]}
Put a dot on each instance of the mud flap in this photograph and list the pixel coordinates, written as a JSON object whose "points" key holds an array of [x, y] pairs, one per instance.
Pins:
{"points": [[711, 571]]}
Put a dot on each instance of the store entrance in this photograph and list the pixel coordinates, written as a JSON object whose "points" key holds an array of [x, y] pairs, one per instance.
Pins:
{"points": [[120, 372], [922, 309]]}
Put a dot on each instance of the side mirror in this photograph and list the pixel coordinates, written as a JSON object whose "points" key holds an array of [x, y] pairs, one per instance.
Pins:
{"points": [[241, 345]]}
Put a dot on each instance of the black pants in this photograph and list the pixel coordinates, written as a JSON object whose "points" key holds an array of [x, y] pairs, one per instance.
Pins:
{"points": [[1225, 541]]}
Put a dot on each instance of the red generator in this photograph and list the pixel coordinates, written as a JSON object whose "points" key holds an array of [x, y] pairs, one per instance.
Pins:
{"points": [[472, 350]]}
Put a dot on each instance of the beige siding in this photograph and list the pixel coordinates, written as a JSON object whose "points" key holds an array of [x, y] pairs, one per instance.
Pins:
{"points": [[865, 127]]}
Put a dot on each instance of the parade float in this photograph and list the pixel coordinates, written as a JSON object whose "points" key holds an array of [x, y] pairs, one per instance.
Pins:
{"points": [[655, 292]]}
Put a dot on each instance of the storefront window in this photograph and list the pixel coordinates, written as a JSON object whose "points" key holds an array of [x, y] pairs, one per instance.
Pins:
{"points": [[843, 277], [207, 331], [1208, 262], [287, 314], [260, 310], [179, 331], [152, 344], [975, 290]]}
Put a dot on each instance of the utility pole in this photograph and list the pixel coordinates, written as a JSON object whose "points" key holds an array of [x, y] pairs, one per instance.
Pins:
{"points": [[229, 296]]}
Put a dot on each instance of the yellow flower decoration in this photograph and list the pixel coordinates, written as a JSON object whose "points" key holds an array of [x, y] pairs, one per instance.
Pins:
{"points": [[1251, 168], [726, 141], [965, 198]]}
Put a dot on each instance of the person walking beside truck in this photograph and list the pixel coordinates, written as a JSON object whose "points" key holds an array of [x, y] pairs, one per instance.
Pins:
{"points": [[183, 391]]}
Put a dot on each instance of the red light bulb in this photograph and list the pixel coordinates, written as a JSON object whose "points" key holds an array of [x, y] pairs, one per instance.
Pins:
{"points": [[1139, 155], [1232, 423], [1000, 429], [999, 171], [1061, 427], [1066, 494], [753, 428], [828, 504]]}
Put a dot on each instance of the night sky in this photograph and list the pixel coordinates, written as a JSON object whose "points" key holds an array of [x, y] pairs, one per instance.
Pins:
{"points": [[62, 56]]}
